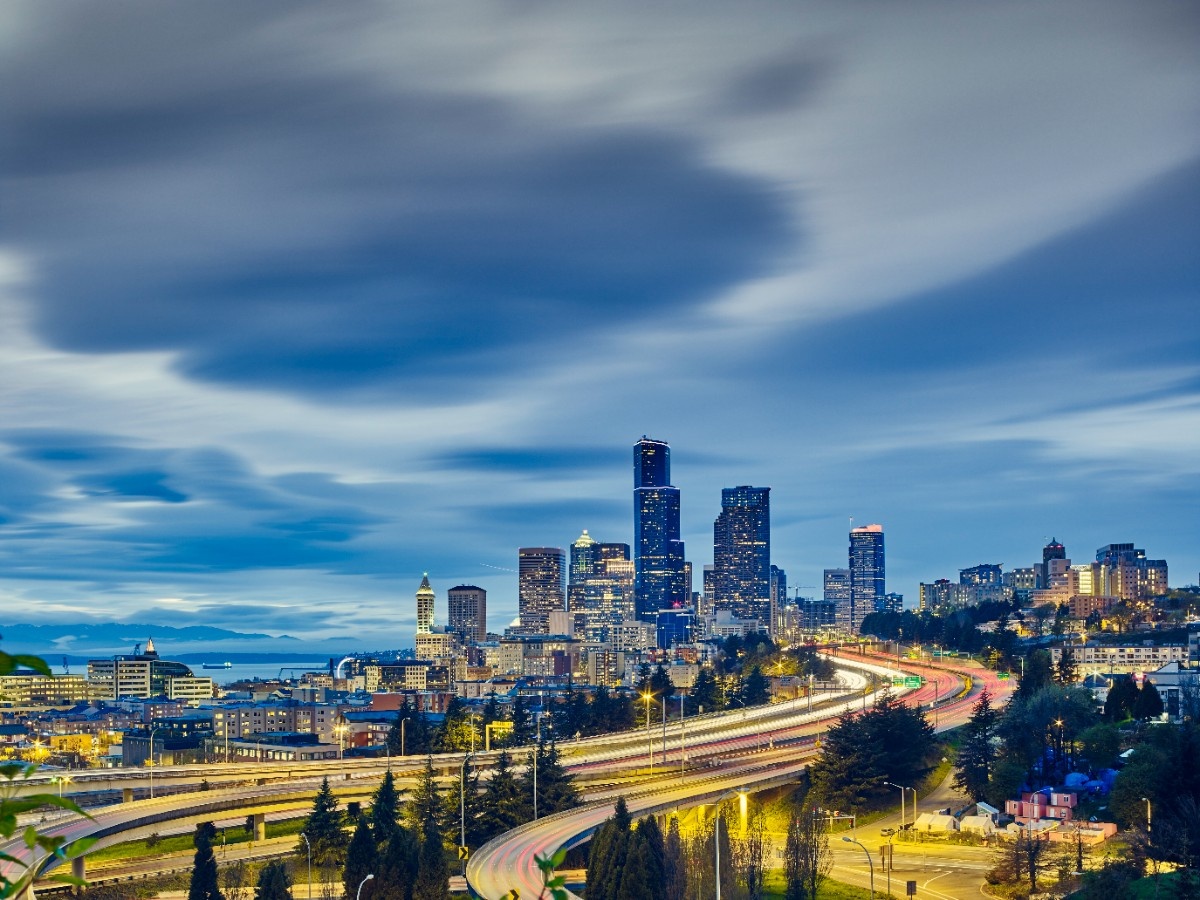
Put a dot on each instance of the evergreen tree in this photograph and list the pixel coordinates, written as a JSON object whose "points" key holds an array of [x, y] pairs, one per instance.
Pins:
{"points": [[203, 885], [660, 683], [1148, 704], [324, 828], [1118, 704], [651, 836], [362, 857], [424, 807], [1066, 672], [850, 768], [503, 805], [1037, 675], [674, 867], [522, 720], [433, 876], [398, 867], [384, 810], [463, 800], [556, 789], [636, 875], [491, 710], [609, 855], [705, 693], [977, 752], [273, 882], [756, 689]]}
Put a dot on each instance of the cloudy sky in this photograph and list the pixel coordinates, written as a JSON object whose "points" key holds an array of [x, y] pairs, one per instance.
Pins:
{"points": [[298, 301]]}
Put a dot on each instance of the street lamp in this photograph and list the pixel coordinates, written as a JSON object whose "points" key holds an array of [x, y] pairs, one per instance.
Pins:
{"points": [[358, 893], [462, 801], [1146, 800], [308, 847], [649, 735], [340, 731], [850, 840], [717, 836], [152, 731], [889, 784]]}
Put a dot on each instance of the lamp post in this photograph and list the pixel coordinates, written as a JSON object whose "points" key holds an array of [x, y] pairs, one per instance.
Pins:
{"points": [[462, 802], [717, 838], [358, 893], [308, 847], [1149, 821], [152, 731], [850, 840], [403, 722], [682, 738], [340, 730], [889, 784], [649, 735]]}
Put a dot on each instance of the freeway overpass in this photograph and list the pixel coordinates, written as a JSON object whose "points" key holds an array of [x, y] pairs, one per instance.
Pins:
{"points": [[281, 786], [508, 861]]}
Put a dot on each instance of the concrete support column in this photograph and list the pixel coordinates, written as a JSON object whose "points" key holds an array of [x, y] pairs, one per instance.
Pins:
{"points": [[79, 870], [126, 795], [260, 826]]}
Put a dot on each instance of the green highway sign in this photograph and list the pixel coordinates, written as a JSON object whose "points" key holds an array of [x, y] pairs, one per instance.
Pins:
{"points": [[1004, 676], [912, 681]]}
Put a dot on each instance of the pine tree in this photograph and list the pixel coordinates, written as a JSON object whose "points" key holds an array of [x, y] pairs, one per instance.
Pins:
{"points": [[1066, 672], [756, 689], [424, 807], [273, 882], [362, 857], [503, 805], [651, 836], [705, 693], [522, 720], [555, 786], [977, 752], [433, 876], [674, 868], [609, 855], [397, 736], [324, 828], [636, 876], [397, 867], [384, 810], [203, 885], [1118, 704], [1148, 704]]}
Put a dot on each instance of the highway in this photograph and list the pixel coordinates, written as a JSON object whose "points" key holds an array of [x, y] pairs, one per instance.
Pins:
{"points": [[508, 861], [777, 739], [259, 789]]}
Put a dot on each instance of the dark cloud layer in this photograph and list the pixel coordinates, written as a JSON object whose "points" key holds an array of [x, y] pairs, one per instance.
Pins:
{"points": [[370, 232]]}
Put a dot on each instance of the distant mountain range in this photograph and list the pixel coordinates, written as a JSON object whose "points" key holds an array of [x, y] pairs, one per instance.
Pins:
{"points": [[121, 636]]}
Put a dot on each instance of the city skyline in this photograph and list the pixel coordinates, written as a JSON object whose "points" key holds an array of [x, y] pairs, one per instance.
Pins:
{"points": [[298, 302]]}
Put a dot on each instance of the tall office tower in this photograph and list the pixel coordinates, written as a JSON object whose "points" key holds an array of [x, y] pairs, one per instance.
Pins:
{"points": [[1053, 550], [837, 592], [600, 588], [540, 573], [778, 601], [866, 572], [425, 597], [658, 561], [1129, 575], [706, 595], [582, 568], [742, 553], [468, 613]]}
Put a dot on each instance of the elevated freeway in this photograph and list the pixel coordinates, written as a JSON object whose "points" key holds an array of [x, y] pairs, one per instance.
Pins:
{"points": [[508, 861]]}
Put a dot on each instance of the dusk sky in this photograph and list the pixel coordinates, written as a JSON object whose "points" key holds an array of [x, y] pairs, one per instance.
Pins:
{"points": [[301, 300]]}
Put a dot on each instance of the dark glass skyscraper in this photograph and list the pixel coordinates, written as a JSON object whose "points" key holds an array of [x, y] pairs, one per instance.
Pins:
{"points": [[866, 573], [657, 550], [541, 583], [742, 553]]}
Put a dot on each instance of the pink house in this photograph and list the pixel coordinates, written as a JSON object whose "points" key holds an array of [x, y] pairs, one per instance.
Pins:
{"points": [[1037, 805]]}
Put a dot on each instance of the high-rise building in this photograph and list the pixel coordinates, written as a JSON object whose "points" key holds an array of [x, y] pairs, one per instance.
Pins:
{"points": [[600, 589], [1053, 550], [742, 553], [866, 572], [467, 614], [541, 586], [778, 601], [425, 598], [837, 592], [658, 553]]}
